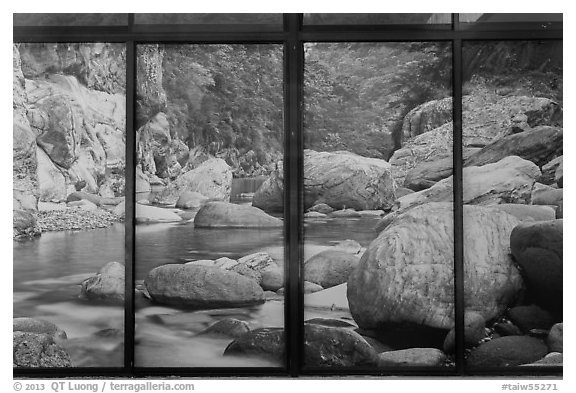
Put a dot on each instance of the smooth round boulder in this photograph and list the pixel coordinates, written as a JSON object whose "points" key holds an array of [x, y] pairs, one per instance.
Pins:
{"points": [[190, 200], [107, 285], [330, 268], [537, 248], [507, 351], [530, 317], [229, 215], [201, 287], [39, 326], [336, 347], [37, 350], [406, 274], [227, 327], [24, 224], [267, 343], [272, 279]]}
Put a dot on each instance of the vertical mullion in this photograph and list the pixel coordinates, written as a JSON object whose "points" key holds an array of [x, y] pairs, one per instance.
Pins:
{"points": [[129, 223], [293, 79], [458, 204]]}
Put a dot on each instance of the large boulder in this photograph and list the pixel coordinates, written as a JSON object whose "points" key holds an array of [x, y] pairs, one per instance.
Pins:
{"points": [[107, 285], [338, 179], [346, 180], [255, 265], [509, 180], [212, 178], [330, 268], [507, 352], [537, 248], [406, 274], [37, 350], [227, 327], [201, 287], [229, 215], [336, 347], [539, 145]]}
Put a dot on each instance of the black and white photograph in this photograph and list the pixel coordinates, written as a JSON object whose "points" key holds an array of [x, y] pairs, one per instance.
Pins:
{"points": [[303, 195]]}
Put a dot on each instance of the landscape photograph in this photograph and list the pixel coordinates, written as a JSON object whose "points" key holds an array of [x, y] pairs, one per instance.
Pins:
{"points": [[393, 249]]}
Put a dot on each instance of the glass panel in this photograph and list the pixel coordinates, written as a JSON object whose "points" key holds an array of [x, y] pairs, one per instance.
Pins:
{"points": [[375, 19], [208, 19], [378, 256], [512, 129], [70, 19], [501, 18], [209, 259], [68, 196]]}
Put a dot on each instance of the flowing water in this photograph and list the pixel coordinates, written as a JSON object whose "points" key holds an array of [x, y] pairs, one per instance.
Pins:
{"points": [[48, 272]]}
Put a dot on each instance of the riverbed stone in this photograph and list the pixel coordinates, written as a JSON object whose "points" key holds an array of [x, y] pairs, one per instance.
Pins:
{"points": [[412, 357], [228, 327], [37, 350], [555, 338], [272, 279], [553, 359], [267, 343], [530, 317], [538, 249], [330, 268], [559, 175], [417, 248], [507, 328], [336, 347], [151, 215], [39, 326], [201, 287], [229, 215], [107, 285], [507, 351]]}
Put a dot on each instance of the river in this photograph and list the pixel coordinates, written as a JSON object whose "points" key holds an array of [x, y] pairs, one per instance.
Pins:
{"points": [[48, 272]]}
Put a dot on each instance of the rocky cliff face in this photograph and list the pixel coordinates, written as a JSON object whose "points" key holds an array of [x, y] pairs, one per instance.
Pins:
{"points": [[69, 119]]}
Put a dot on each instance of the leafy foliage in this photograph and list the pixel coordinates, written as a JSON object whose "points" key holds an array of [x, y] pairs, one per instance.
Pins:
{"points": [[357, 94]]}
